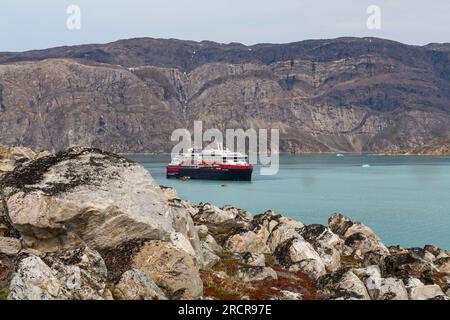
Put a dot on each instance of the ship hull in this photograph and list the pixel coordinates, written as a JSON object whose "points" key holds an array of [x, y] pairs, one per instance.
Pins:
{"points": [[234, 174]]}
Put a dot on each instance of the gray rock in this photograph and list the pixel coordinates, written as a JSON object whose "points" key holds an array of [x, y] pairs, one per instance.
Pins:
{"points": [[210, 259], [280, 233], [74, 274], [212, 244], [362, 244], [312, 267], [345, 227], [298, 255], [404, 265], [9, 246], [327, 244], [89, 196], [252, 259], [136, 285], [34, 280], [249, 274], [386, 288], [342, 284]]}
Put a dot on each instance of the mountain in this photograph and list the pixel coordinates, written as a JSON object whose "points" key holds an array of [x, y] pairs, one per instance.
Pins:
{"points": [[345, 94]]}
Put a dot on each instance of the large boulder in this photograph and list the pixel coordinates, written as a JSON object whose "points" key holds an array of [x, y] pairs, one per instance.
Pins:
{"points": [[345, 227], [327, 244], [386, 288], [87, 196], [172, 269], [73, 274], [298, 255], [342, 284], [281, 233], [409, 264], [360, 238]]}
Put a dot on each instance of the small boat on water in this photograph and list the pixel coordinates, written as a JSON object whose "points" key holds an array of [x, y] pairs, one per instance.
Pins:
{"points": [[210, 164]]}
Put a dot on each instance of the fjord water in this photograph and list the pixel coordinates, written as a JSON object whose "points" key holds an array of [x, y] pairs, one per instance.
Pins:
{"points": [[406, 200]]}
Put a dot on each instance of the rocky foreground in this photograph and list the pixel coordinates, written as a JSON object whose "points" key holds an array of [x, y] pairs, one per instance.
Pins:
{"points": [[87, 224]]}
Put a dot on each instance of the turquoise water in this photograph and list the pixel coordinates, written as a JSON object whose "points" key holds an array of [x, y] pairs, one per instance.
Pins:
{"points": [[406, 200]]}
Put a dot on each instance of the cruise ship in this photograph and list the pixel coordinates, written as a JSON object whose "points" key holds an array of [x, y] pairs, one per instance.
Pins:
{"points": [[210, 164]]}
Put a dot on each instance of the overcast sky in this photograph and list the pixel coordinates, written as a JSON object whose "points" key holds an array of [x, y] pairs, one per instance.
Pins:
{"points": [[35, 24]]}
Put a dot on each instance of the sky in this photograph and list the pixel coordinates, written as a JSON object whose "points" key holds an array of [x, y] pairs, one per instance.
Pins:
{"points": [[38, 24]]}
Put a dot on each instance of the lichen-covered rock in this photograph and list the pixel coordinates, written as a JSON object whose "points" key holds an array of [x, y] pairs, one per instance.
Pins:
{"points": [[437, 252], [386, 288], [34, 280], [345, 227], [443, 264], [327, 244], [9, 246], [74, 274], [342, 284], [361, 244], [246, 241], [298, 255], [173, 270], [280, 233], [251, 273], [312, 267], [251, 259], [136, 285], [87, 196], [404, 265]]}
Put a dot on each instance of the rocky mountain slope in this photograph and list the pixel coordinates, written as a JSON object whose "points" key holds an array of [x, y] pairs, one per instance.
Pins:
{"points": [[346, 94], [87, 224]]}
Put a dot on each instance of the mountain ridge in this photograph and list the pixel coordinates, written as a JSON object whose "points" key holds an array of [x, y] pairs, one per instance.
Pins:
{"points": [[344, 94]]}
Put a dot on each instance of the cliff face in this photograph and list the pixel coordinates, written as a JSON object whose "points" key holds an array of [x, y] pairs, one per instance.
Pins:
{"points": [[346, 94]]}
